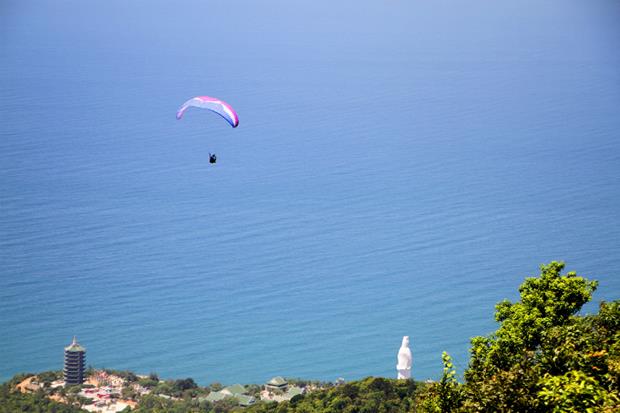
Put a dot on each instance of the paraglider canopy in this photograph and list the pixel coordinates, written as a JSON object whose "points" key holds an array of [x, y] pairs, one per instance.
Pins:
{"points": [[214, 105]]}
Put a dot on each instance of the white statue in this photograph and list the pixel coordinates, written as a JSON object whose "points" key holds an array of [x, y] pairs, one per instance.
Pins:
{"points": [[404, 360]]}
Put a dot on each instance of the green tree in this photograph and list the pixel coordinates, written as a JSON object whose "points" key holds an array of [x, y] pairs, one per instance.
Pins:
{"points": [[575, 391], [148, 382], [371, 395], [128, 393], [216, 386], [12, 402], [184, 384], [448, 390], [224, 406], [47, 377], [538, 335]]}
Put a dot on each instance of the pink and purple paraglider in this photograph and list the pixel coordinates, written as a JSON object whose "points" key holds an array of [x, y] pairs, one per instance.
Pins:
{"points": [[214, 105]]}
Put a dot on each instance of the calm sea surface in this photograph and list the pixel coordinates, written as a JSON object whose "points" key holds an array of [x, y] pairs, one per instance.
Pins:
{"points": [[400, 166]]}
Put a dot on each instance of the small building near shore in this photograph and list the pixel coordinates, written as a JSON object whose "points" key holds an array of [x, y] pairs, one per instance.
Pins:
{"points": [[215, 396], [236, 391], [244, 400], [277, 384], [278, 389], [294, 391]]}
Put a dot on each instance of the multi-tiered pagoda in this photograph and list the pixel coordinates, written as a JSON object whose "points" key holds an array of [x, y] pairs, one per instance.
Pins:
{"points": [[74, 364]]}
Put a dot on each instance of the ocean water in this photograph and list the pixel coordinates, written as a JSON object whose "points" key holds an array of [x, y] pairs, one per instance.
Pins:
{"points": [[400, 167]]}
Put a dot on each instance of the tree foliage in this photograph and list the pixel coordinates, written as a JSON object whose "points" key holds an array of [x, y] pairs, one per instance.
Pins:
{"points": [[576, 391], [449, 391], [13, 401], [541, 344], [371, 395]]}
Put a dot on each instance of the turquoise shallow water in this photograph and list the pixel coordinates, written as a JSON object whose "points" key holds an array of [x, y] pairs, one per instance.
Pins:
{"points": [[399, 168]]}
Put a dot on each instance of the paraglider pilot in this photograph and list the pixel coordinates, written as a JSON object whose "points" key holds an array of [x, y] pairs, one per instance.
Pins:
{"points": [[212, 158]]}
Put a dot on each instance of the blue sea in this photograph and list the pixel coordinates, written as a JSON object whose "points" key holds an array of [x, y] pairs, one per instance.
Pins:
{"points": [[399, 168]]}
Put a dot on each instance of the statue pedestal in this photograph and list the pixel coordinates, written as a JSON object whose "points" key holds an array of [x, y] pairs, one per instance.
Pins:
{"points": [[403, 373]]}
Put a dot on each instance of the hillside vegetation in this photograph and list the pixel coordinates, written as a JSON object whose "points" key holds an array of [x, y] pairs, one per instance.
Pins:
{"points": [[542, 358], [12, 401]]}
